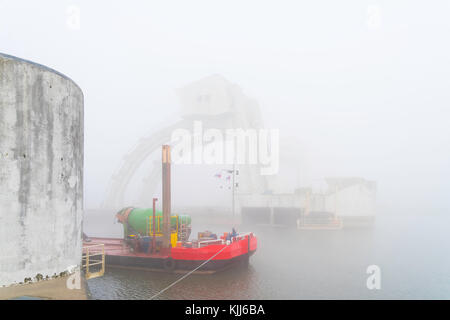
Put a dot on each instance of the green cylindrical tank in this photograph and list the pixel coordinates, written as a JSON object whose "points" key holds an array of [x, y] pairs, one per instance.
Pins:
{"points": [[141, 220]]}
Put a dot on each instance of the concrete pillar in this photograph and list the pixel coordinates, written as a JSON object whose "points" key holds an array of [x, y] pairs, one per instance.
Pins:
{"points": [[41, 172]]}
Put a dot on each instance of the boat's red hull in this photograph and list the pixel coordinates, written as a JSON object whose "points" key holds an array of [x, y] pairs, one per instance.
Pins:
{"points": [[118, 254]]}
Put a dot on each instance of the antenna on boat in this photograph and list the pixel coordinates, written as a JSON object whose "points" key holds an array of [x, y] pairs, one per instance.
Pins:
{"points": [[166, 196], [153, 225]]}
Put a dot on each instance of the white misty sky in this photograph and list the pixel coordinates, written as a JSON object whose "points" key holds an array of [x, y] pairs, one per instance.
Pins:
{"points": [[363, 100]]}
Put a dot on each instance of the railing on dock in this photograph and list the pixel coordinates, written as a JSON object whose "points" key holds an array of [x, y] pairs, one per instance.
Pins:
{"points": [[319, 224], [94, 267]]}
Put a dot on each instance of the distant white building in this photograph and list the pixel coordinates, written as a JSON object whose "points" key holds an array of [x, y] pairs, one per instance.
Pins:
{"points": [[351, 199]]}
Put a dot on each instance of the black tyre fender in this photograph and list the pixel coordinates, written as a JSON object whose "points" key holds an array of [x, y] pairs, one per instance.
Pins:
{"points": [[169, 264]]}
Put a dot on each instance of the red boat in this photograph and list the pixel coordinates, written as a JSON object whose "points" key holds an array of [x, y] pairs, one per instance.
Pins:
{"points": [[160, 240], [208, 256]]}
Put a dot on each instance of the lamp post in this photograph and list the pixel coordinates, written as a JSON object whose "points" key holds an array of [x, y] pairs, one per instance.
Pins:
{"points": [[234, 173], [166, 197]]}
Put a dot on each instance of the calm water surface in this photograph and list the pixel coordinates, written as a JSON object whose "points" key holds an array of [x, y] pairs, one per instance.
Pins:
{"points": [[413, 254]]}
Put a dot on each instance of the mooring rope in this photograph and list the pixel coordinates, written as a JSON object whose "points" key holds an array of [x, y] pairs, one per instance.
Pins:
{"points": [[187, 274]]}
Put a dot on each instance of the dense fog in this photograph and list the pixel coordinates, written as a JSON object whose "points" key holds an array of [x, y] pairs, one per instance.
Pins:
{"points": [[355, 88]]}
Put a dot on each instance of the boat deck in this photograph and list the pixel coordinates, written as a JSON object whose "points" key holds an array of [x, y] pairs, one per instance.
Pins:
{"points": [[117, 247]]}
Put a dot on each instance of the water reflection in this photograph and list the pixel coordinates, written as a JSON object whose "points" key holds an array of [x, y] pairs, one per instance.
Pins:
{"points": [[292, 264]]}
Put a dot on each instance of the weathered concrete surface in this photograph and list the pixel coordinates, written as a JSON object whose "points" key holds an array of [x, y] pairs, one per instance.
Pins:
{"points": [[41, 171]]}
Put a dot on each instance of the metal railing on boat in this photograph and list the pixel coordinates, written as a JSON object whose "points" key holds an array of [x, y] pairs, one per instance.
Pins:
{"points": [[222, 241], [243, 235], [208, 242]]}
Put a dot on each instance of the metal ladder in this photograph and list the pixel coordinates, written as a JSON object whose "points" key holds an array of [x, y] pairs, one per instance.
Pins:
{"points": [[88, 263]]}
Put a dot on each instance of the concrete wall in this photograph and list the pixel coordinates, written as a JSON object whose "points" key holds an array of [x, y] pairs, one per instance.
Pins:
{"points": [[41, 171]]}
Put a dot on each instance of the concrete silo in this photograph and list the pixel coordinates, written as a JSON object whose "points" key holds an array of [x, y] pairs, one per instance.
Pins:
{"points": [[41, 172]]}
